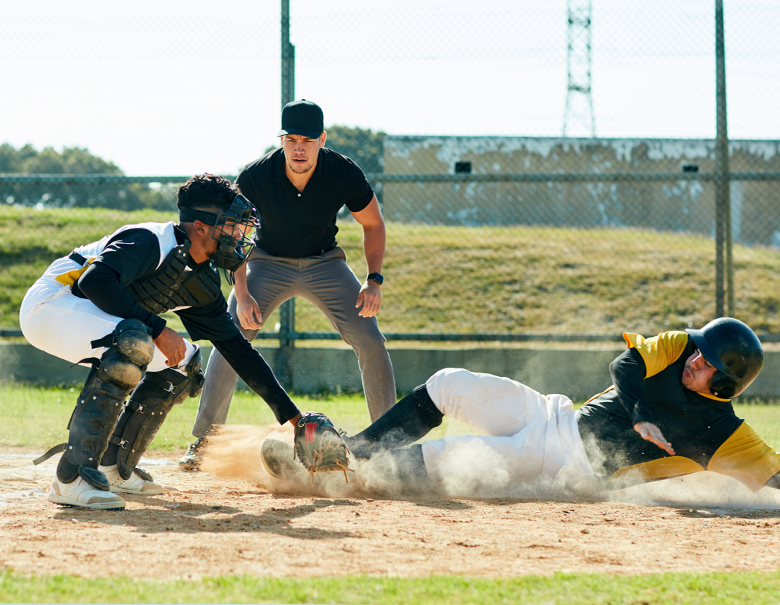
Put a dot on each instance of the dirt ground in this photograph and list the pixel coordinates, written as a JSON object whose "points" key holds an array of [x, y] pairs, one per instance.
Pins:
{"points": [[233, 518]]}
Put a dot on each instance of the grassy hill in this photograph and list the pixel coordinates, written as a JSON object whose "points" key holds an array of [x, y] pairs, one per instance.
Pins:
{"points": [[473, 279]]}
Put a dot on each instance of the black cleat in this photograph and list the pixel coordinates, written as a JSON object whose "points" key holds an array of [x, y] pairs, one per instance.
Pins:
{"points": [[191, 460]]}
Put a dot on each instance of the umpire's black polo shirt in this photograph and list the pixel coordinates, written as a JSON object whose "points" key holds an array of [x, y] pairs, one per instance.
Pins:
{"points": [[298, 224]]}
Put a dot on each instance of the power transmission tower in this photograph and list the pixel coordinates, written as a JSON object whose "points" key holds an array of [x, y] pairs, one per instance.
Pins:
{"points": [[578, 119]]}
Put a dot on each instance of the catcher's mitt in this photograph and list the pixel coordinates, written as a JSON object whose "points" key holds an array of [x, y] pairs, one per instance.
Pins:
{"points": [[319, 446]]}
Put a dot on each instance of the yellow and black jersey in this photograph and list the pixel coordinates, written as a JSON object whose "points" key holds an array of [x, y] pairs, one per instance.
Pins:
{"points": [[704, 430]]}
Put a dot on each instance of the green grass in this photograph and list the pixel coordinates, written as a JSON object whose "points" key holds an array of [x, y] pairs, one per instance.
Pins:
{"points": [[569, 589], [37, 417], [474, 279]]}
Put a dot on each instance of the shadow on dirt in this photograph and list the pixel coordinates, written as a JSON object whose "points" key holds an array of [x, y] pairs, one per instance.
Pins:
{"points": [[184, 517]]}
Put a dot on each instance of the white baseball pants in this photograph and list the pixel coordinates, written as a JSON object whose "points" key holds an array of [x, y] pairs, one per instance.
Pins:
{"points": [[527, 443], [57, 322]]}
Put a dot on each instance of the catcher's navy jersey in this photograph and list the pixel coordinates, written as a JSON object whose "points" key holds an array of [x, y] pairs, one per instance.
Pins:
{"points": [[704, 430]]}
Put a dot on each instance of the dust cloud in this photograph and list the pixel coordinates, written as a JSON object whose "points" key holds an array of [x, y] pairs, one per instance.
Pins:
{"points": [[474, 470]]}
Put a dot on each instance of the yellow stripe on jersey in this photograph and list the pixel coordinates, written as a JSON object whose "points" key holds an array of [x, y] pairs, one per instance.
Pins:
{"points": [[71, 277], [658, 352], [661, 468], [746, 457]]}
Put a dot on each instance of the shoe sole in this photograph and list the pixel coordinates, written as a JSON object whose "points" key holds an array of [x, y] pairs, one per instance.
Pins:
{"points": [[65, 501], [278, 461], [189, 467], [137, 492]]}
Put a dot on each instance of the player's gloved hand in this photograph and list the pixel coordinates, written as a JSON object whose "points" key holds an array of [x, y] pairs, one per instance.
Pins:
{"points": [[172, 346], [650, 432], [370, 296], [319, 446], [248, 312]]}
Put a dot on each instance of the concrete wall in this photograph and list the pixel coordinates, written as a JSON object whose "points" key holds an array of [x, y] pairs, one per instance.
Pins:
{"points": [[675, 205], [578, 374]]}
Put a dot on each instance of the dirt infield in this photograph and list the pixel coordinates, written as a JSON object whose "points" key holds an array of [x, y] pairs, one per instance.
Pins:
{"points": [[229, 521]]}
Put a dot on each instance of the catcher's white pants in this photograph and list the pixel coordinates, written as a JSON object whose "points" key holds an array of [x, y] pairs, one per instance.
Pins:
{"points": [[54, 320], [528, 443]]}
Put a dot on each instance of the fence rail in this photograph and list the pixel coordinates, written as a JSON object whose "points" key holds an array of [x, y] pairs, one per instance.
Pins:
{"points": [[378, 177], [669, 211]]}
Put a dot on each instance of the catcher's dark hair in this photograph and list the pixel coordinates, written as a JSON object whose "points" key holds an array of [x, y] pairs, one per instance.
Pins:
{"points": [[209, 192]]}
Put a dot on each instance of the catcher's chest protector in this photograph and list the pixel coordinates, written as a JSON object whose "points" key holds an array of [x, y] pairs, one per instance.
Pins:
{"points": [[176, 285]]}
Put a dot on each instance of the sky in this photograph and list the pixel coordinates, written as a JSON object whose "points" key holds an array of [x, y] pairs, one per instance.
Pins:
{"points": [[174, 87]]}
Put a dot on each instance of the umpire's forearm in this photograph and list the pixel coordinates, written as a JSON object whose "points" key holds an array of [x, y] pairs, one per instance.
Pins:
{"points": [[374, 239]]}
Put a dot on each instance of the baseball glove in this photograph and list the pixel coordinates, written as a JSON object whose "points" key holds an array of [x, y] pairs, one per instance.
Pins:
{"points": [[319, 446]]}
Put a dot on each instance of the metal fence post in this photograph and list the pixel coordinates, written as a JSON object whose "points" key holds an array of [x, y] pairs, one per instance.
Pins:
{"points": [[283, 362], [721, 181]]}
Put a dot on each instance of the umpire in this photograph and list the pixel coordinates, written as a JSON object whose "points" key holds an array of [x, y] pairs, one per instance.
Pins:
{"points": [[102, 303], [298, 190]]}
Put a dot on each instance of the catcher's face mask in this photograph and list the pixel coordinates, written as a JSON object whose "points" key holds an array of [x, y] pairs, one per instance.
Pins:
{"points": [[233, 230]]}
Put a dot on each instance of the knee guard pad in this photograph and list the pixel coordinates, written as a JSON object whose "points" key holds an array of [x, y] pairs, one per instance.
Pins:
{"points": [[147, 409], [130, 349]]}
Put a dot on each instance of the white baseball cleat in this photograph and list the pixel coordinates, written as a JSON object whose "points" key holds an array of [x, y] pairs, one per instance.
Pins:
{"points": [[81, 493], [134, 485]]}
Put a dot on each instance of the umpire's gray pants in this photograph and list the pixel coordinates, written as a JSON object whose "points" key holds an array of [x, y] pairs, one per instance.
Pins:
{"points": [[329, 283]]}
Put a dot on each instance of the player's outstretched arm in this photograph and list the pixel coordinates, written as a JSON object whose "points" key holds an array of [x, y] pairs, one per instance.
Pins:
{"points": [[257, 375], [650, 432]]}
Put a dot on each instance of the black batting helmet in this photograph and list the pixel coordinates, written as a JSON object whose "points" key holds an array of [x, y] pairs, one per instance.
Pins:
{"points": [[734, 349]]}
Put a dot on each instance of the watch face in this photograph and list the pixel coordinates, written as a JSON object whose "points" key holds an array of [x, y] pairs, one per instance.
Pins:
{"points": [[376, 277]]}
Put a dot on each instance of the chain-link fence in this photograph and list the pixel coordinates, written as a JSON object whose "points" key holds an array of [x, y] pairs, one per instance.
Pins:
{"points": [[497, 224]]}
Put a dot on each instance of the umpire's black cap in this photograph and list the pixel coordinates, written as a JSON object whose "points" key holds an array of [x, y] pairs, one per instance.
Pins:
{"points": [[302, 117]]}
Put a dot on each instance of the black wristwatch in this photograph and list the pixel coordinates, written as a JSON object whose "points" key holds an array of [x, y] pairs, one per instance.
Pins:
{"points": [[377, 277]]}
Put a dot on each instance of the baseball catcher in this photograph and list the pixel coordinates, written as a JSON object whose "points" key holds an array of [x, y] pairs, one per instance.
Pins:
{"points": [[101, 305], [668, 413]]}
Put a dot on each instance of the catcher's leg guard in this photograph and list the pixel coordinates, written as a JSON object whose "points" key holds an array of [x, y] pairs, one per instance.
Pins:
{"points": [[145, 412], [130, 349], [407, 421]]}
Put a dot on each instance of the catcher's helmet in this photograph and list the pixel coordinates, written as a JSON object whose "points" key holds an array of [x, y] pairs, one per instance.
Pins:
{"points": [[232, 252], [734, 349]]}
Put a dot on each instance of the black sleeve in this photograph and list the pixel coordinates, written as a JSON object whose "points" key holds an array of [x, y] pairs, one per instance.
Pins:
{"points": [[212, 322], [628, 372], [132, 254], [245, 184], [256, 373], [101, 284], [358, 193]]}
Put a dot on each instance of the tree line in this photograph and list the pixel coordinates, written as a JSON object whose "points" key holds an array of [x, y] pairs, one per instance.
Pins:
{"points": [[364, 146]]}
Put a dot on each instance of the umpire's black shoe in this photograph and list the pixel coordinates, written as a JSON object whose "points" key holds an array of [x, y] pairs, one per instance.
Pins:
{"points": [[191, 460]]}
